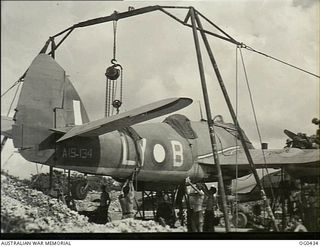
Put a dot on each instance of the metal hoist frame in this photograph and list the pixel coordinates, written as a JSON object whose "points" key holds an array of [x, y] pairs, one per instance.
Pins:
{"points": [[196, 27]]}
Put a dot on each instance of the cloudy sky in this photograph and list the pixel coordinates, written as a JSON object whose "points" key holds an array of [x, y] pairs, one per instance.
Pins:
{"points": [[159, 58]]}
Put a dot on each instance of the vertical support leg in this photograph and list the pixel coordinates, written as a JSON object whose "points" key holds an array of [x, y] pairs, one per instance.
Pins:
{"points": [[50, 178], [236, 123], [181, 192], [283, 202], [143, 208], [210, 120], [69, 183], [153, 205], [189, 228]]}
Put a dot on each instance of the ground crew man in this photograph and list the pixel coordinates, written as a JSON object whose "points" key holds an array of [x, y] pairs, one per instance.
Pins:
{"points": [[165, 214], [126, 200], [209, 219], [316, 121], [101, 216], [196, 197]]}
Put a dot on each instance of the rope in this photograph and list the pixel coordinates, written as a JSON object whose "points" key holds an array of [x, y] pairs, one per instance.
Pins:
{"points": [[14, 97], [106, 101], [255, 119], [115, 89], [14, 84], [276, 59], [109, 97], [121, 83], [4, 140], [112, 97], [5, 163]]}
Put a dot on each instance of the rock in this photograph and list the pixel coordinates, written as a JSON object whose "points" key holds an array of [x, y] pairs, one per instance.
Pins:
{"points": [[3, 179], [25, 210]]}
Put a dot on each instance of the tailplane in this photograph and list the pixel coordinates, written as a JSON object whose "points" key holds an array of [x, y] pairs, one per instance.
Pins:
{"points": [[47, 101]]}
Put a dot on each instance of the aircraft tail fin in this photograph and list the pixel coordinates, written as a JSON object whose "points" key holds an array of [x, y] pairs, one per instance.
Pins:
{"points": [[47, 101]]}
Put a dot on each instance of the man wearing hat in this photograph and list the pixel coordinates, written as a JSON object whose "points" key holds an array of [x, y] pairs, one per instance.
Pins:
{"points": [[208, 225]]}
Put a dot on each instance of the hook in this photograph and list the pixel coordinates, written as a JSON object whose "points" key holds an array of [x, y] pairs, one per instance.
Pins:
{"points": [[115, 63]]}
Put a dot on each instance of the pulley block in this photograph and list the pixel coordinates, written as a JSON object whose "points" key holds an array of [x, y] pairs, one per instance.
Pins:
{"points": [[112, 72], [116, 104]]}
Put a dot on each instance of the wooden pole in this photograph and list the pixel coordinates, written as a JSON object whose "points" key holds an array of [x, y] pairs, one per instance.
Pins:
{"points": [[210, 121]]}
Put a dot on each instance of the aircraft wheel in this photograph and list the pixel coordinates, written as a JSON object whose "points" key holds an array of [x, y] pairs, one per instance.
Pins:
{"points": [[79, 190], [222, 222], [240, 221]]}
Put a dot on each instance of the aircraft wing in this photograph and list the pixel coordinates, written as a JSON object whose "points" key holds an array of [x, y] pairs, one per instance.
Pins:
{"points": [[6, 126], [297, 162], [126, 119]]}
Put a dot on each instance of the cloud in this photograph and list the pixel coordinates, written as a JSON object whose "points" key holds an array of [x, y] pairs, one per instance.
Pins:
{"points": [[304, 3]]}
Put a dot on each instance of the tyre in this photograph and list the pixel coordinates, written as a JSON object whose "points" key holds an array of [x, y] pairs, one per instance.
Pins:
{"points": [[240, 221], [79, 190]]}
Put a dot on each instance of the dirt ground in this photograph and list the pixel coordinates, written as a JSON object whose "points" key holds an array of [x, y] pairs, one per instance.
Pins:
{"points": [[26, 210]]}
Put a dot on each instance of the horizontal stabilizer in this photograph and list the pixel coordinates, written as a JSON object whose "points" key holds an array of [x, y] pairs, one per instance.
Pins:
{"points": [[126, 119], [6, 126], [61, 130]]}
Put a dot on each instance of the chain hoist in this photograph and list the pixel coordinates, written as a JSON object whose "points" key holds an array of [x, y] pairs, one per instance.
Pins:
{"points": [[112, 74]]}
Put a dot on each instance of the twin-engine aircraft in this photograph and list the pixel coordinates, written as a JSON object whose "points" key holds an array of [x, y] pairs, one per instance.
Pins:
{"points": [[51, 127]]}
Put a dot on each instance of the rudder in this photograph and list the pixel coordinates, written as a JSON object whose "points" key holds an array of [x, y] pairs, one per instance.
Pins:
{"points": [[47, 101]]}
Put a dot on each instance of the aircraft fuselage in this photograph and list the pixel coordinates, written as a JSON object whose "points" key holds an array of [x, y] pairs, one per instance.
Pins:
{"points": [[163, 154]]}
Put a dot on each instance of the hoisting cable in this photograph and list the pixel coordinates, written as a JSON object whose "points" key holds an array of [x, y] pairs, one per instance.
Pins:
{"points": [[5, 163], [231, 39], [276, 59], [114, 39], [121, 84], [114, 93], [112, 74], [14, 97], [109, 97], [5, 138], [106, 114], [43, 50], [256, 121], [13, 85]]}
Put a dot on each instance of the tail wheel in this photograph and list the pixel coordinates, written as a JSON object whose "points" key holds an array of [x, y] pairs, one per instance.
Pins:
{"points": [[239, 221], [79, 190]]}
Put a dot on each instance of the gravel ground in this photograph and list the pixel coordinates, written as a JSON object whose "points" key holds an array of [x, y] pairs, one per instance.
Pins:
{"points": [[25, 210]]}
